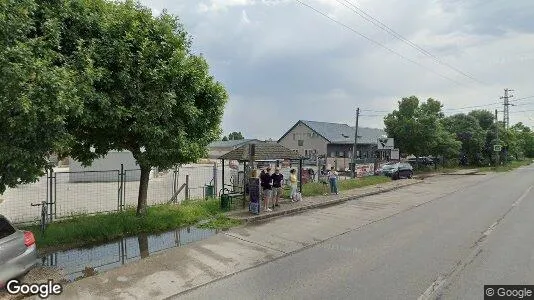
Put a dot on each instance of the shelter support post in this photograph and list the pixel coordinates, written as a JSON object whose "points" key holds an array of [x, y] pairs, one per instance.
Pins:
{"points": [[300, 175]]}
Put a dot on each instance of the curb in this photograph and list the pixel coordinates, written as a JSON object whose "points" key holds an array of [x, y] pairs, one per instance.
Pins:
{"points": [[296, 210]]}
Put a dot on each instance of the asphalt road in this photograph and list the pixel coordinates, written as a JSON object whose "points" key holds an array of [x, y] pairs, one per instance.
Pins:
{"points": [[448, 248]]}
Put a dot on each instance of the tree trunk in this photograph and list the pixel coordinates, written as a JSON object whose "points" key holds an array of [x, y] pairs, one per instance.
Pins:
{"points": [[143, 245], [143, 191]]}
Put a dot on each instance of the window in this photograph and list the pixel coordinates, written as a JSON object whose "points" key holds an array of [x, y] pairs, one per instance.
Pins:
{"points": [[294, 136], [309, 135], [5, 228], [332, 154], [301, 143], [306, 152]]}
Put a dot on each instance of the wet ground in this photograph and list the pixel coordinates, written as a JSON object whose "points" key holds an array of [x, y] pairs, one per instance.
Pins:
{"points": [[79, 263]]}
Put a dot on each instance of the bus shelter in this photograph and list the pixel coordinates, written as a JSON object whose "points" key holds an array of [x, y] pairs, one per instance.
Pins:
{"points": [[252, 156]]}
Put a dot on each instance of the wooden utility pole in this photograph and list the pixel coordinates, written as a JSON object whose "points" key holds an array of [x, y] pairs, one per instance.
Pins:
{"points": [[497, 138], [354, 151]]}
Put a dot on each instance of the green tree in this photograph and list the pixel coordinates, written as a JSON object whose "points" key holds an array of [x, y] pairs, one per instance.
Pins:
{"points": [[468, 131], [36, 93], [525, 139], [417, 129], [147, 92], [235, 136], [225, 138], [485, 118]]}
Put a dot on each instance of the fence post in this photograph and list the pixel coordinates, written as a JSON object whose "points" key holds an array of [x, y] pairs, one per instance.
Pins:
{"points": [[187, 187], [215, 177], [49, 206], [121, 188]]}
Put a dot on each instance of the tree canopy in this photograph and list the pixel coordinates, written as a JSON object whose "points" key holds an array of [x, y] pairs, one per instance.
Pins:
{"points": [[37, 93], [422, 129], [93, 76], [234, 136]]}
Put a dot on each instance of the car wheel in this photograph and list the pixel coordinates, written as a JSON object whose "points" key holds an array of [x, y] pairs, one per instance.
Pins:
{"points": [[410, 175]]}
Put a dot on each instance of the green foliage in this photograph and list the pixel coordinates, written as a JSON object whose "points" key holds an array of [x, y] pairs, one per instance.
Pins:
{"points": [[318, 188], [468, 131], [485, 118], [87, 230], [417, 129], [235, 136], [225, 139], [37, 92], [421, 129], [220, 222]]}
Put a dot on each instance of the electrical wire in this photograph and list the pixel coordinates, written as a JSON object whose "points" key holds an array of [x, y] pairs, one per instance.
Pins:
{"points": [[377, 43], [366, 16]]}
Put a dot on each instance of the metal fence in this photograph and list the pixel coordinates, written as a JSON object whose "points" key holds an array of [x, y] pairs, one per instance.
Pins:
{"points": [[69, 194]]}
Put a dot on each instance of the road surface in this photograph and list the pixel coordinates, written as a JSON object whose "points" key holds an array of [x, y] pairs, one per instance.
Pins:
{"points": [[448, 248]]}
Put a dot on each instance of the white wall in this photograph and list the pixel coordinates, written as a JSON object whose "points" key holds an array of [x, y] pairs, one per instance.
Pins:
{"points": [[110, 163]]}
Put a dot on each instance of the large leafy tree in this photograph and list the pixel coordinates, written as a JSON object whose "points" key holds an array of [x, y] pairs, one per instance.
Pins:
{"points": [[37, 92], [484, 117], [417, 129], [525, 139], [147, 92], [468, 131]]}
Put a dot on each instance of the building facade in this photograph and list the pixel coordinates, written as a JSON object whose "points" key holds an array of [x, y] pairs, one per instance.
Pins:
{"points": [[331, 140]]}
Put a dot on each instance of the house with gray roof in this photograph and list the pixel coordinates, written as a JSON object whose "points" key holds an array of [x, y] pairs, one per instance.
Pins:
{"points": [[331, 140], [219, 148]]}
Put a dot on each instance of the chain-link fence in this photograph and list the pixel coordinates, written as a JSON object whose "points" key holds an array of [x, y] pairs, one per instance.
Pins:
{"points": [[68, 194]]}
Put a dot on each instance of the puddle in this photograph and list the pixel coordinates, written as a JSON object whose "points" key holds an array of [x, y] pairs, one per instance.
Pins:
{"points": [[84, 262]]}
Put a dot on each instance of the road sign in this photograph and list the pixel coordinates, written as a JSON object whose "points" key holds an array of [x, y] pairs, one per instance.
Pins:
{"points": [[497, 148], [385, 143]]}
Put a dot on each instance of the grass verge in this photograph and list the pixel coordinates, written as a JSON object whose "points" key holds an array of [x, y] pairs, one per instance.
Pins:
{"points": [[508, 167], [318, 188], [93, 229], [221, 222]]}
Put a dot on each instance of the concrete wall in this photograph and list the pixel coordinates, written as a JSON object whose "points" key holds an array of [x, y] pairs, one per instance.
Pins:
{"points": [[106, 169], [311, 141]]}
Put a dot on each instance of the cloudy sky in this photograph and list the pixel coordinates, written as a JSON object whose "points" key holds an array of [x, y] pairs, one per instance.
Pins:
{"points": [[282, 61]]}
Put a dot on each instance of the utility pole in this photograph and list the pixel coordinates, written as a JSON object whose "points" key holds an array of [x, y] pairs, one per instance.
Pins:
{"points": [[354, 151], [506, 116], [497, 137]]}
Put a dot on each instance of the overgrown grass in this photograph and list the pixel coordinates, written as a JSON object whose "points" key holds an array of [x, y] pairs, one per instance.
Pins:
{"points": [[220, 222], [507, 167], [92, 229], [318, 188]]}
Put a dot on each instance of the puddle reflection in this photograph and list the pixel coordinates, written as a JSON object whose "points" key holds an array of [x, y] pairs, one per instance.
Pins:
{"points": [[85, 262]]}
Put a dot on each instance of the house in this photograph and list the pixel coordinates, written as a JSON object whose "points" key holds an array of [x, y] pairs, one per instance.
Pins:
{"points": [[219, 148], [331, 140]]}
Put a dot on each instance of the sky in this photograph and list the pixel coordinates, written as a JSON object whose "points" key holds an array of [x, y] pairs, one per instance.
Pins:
{"points": [[282, 61]]}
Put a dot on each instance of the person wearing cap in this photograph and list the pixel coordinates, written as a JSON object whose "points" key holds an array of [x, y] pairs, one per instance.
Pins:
{"points": [[277, 179], [266, 186]]}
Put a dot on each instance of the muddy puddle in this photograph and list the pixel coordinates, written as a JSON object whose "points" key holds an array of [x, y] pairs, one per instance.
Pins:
{"points": [[79, 263]]}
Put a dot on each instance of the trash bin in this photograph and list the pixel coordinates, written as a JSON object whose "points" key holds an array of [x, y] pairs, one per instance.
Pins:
{"points": [[209, 191], [225, 202]]}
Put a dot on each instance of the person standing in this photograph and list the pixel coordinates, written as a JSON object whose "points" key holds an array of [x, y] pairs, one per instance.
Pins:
{"points": [[266, 186], [293, 184], [332, 178], [277, 179]]}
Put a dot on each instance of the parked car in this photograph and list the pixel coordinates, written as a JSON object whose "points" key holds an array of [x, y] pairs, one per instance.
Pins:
{"points": [[400, 170], [18, 252], [383, 169]]}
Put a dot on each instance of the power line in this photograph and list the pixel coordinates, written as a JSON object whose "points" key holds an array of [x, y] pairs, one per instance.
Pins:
{"points": [[366, 16], [521, 99], [377, 43]]}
